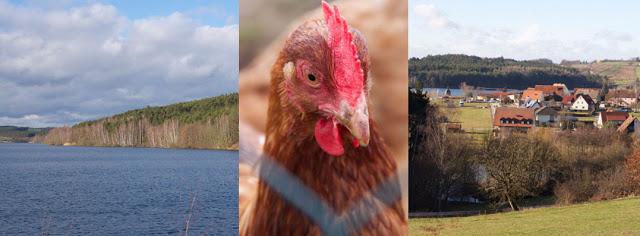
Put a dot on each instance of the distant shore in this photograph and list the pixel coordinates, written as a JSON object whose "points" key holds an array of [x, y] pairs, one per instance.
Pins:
{"points": [[234, 147]]}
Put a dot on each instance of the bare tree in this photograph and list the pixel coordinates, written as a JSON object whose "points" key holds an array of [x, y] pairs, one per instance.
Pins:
{"points": [[515, 166]]}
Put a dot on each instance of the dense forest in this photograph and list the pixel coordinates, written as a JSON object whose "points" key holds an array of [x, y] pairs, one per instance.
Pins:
{"points": [[210, 123], [16, 134], [451, 70]]}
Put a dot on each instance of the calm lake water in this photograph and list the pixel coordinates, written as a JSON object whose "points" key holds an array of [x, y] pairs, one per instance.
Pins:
{"points": [[108, 190]]}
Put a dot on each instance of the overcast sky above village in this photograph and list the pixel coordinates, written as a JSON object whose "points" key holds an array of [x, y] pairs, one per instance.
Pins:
{"points": [[70, 61], [575, 30]]}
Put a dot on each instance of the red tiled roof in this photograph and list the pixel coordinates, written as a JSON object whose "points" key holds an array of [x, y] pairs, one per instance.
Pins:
{"points": [[533, 94], [495, 94], [454, 126], [513, 114], [614, 116], [547, 89], [626, 123], [568, 100], [501, 93], [622, 93]]}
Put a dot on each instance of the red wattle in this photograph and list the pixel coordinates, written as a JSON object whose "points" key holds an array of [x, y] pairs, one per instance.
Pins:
{"points": [[355, 142], [328, 136]]}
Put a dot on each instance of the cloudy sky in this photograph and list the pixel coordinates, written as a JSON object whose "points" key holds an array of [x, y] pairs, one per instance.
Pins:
{"points": [[70, 61], [575, 30]]}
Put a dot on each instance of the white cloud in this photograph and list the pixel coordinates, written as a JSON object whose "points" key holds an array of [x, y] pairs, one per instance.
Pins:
{"points": [[434, 17], [442, 35], [69, 65], [613, 36]]}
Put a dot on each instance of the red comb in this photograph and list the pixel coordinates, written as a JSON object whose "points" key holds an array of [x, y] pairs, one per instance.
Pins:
{"points": [[347, 72]]}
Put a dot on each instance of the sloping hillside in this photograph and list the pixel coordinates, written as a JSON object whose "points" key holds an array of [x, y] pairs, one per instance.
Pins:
{"points": [[210, 123], [20, 134], [616, 217], [620, 73], [452, 69]]}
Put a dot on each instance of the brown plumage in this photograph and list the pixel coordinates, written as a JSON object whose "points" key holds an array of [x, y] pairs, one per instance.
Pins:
{"points": [[295, 112]]}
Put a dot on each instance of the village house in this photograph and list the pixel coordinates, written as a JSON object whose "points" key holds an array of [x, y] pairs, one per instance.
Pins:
{"points": [[583, 103], [500, 96], [515, 96], [594, 93], [629, 126], [546, 115], [565, 90], [552, 100], [514, 119], [615, 117], [533, 95], [493, 106], [557, 89], [567, 101], [528, 103], [621, 98]]}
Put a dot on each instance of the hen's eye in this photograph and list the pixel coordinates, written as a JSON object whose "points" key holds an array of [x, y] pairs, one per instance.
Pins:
{"points": [[311, 78]]}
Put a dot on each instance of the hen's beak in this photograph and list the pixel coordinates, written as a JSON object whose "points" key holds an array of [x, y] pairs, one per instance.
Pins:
{"points": [[356, 119]]}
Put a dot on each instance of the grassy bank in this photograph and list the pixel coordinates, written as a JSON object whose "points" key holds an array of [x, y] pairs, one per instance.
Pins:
{"points": [[616, 217], [523, 203]]}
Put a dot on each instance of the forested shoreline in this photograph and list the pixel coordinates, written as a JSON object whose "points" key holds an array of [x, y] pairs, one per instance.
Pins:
{"points": [[210, 123], [440, 71], [15, 134]]}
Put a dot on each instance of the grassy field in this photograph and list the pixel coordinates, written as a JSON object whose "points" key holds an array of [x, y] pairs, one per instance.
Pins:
{"points": [[617, 217], [523, 203], [606, 72], [622, 63], [620, 73], [472, 118]]}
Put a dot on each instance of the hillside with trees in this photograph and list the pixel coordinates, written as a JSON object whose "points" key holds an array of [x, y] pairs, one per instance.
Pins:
{"points": [[210, 123], [451, 70], [14, 134]]}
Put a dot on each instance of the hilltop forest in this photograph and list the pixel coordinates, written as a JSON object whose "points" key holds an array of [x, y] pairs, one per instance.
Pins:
{"points": [[14, 134], [210, 123], [451, 70]]}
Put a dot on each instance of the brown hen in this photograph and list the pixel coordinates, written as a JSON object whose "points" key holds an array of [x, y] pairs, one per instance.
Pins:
{"points": [[312, 182]]}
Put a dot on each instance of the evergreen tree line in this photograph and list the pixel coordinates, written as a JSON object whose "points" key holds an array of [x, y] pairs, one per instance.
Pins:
{"points": [[451, 70]]}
